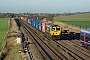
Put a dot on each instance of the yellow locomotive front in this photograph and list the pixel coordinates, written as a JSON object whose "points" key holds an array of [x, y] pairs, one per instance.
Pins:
{"points": [[55, 31]]}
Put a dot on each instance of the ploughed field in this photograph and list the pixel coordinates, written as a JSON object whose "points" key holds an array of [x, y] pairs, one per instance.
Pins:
{"points": [[3, 29], [67, 48], [79, 20]]}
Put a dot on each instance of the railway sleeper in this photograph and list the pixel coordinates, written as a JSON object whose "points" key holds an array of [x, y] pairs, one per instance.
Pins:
{"points": [[76, 52]]}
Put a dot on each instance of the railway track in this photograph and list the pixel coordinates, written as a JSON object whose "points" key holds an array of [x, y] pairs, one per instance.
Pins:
{"points": [[76, 52], [63, 55], [76, 43], [50, 53], [56, 50]]}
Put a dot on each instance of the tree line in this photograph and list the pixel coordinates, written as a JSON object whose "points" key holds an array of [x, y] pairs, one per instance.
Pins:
{"points": [[4, 15], [49, 17]]}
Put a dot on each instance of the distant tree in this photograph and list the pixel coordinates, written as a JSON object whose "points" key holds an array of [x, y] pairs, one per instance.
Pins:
{"points": [[35, 17], [49, 17], [40, 18], [2, 15], [12, 15], [30, 17], [7, 16]]}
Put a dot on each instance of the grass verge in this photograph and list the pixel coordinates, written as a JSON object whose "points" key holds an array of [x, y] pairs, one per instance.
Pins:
{"points": [[3, 29]]}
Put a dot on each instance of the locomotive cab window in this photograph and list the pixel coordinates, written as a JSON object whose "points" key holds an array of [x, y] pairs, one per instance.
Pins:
{"points": [[53, 28], [57, 28]]}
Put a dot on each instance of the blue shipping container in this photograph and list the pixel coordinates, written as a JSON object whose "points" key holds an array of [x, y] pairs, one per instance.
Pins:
{"points": [[27, 20], [32, 23], [40, 25], [37, 24]]}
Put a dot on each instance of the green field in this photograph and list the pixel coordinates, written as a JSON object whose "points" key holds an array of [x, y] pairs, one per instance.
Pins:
{"points": [[79, 21], [3, 29], [72, 19], [81, 24]]}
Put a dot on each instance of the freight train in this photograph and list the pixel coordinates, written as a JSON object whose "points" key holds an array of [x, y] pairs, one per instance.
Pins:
{"points": [[85, 38], [49, 28]]}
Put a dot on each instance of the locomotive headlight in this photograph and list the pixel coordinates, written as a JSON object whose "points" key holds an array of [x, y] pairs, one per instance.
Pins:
{"points": [[53, 33]]}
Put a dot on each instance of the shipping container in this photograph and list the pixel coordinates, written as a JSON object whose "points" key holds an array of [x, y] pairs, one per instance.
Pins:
{"points": [[44, 26], [27, 20], [48, 27], [34, 21], [40, 25], [37, 24], [31, 21], [22, 18]]}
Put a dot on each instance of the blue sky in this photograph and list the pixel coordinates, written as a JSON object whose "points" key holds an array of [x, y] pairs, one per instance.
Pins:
{"points": [[44, 6]]}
